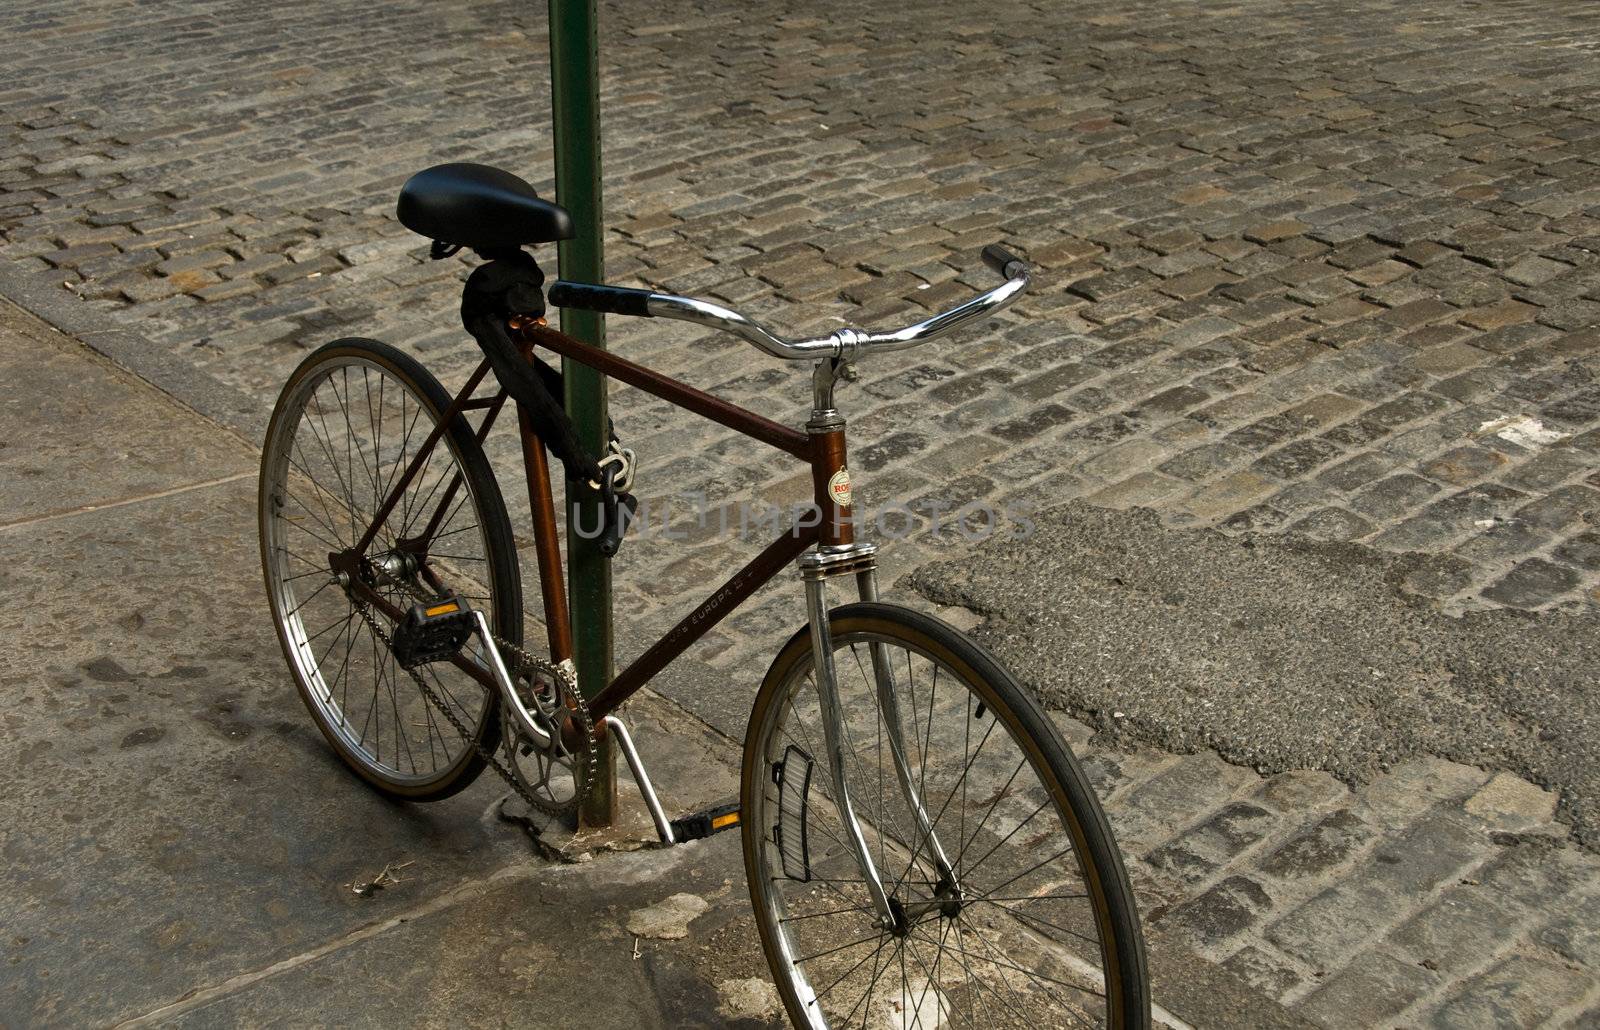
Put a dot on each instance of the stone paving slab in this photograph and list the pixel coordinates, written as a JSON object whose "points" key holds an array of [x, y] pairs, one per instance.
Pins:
{"points": [[512, 955], [72, 437], [177, 825], [173, 815]]}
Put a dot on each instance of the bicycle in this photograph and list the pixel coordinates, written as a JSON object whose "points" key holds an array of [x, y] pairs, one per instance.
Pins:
{"points": [[911, 879]]}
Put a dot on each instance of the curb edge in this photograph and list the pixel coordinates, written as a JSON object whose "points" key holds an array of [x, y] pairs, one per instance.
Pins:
{"points": [[129, 350]]}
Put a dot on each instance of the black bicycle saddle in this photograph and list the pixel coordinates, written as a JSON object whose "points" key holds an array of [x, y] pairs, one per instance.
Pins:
{"points": [[476, 206]]}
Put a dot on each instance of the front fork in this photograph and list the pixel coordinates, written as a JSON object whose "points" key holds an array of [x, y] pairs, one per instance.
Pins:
{"points": [[817, 567]]}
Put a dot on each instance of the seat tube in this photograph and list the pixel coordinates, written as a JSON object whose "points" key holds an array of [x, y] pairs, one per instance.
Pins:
{"points": [[833, 732], [547, 546]]}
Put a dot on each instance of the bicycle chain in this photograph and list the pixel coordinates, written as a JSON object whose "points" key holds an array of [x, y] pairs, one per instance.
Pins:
{"points": [[520, 662]]}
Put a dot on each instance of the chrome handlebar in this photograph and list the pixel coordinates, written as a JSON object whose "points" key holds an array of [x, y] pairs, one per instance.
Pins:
{"points": [[846, 343]]}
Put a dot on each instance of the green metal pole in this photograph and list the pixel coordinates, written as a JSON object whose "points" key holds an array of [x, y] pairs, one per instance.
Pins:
{"points": [[575, 96]]}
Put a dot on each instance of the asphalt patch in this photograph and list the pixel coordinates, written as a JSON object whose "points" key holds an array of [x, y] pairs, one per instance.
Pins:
{"points": [[1281, 654]]}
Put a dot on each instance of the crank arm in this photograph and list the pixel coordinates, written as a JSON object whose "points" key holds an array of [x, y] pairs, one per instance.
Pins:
{"points": [[498, 678], [525, 720], [388, 610]]}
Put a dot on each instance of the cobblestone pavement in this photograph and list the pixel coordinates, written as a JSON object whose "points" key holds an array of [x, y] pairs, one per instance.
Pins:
{"points": [[1318, 267], [1438, 895], [1328, 269]]}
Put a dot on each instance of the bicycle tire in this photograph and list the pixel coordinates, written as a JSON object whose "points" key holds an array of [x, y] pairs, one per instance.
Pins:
{"points": [[1108, 892], [502, 604]]}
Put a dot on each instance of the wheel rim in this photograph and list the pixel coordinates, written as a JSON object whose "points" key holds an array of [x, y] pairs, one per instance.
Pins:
{"points": [[1017, 944], [344, 435]]}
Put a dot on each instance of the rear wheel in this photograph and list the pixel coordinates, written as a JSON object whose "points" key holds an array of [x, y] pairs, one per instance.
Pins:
{"points": [[347, 425], [1027, 922]]}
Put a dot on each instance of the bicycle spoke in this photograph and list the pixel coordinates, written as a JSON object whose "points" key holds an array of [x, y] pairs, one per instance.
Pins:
{"points": [[872, 984], [820, 915], [352, 442], [882, 937], [1031, 869], [326, 440], [997, 958], [962, 955], [453, 532], [1030, 917], [1001, 842], [932, 984], [396, 469], [320, 521], [343, 622], [964, 772], [311, 596]]}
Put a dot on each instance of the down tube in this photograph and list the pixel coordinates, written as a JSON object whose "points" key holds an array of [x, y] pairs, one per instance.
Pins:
{"points": [[761, 569]]}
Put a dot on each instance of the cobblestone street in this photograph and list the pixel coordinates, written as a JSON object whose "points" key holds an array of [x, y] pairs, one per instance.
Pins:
{"points": [[1309, 266], [1309, 271]]}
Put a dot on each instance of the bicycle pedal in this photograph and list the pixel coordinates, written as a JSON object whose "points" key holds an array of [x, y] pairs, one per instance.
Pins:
{"points": [[432, 632], [699, 825]]}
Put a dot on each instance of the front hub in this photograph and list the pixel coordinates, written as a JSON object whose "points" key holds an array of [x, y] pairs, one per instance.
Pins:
{"points": [[947, 901]]}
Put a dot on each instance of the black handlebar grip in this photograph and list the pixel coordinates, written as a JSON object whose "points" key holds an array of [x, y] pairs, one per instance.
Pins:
{"points": [[613, 300], [998, 258]]}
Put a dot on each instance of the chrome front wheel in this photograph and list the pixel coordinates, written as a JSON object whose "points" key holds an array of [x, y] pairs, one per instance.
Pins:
{"points": [[1015, 911]]}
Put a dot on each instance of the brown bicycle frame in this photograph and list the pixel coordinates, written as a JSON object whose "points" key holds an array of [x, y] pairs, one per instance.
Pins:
{"points": [[823, 450]]}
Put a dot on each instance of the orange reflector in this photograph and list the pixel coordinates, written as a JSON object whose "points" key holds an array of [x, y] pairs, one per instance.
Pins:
{"points": [[722, 821], [442, 609]]}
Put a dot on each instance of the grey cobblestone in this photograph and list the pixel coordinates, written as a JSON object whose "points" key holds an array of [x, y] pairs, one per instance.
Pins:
{"points": [[1524, 990], [1393, 904], [1370, 991], [1336, 921]]}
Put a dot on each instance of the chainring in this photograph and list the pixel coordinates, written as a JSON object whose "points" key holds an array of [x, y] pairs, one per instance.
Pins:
{"points": [[550, 687], [553, 778]]}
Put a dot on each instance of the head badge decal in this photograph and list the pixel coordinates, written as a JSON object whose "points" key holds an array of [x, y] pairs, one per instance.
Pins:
{"points": [[839, 488]]}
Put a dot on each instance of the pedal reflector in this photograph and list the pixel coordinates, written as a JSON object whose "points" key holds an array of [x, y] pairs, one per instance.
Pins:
{"points": [[432, 632], [793, 777], [704, 824]]}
